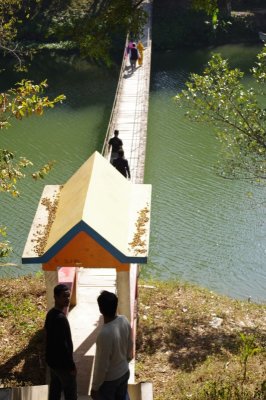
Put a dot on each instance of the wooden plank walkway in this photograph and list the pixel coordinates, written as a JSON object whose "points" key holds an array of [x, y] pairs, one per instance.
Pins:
{"points": [[129, 116], [130, 111]]}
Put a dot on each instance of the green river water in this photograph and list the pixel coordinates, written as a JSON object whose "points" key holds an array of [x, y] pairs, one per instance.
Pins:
{"points": [[204, 229]]}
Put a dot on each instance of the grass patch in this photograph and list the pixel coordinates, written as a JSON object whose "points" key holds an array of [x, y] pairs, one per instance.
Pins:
{"points": [[189, 342], [194, 344], [22, 313]]}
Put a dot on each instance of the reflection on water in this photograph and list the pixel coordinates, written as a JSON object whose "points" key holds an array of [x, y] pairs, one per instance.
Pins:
{"points": [[205, 229]]}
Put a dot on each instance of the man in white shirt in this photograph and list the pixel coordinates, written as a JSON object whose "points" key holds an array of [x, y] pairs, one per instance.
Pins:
{"points": [[114, 350]]}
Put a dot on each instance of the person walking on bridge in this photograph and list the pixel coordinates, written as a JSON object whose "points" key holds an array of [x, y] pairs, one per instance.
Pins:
{"points": [[133, 57], [114, 350], [121, 164], [115, 144], [59, 348]]}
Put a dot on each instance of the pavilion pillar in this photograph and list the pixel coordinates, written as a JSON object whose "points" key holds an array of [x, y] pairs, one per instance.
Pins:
{"points": [[123, 291], [51, 280]]}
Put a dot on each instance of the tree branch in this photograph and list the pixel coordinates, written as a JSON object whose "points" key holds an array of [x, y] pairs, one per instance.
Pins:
{"points": [[12, 51], [137, 4]]}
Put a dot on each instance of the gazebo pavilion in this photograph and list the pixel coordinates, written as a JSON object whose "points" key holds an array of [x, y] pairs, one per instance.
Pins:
{"points": [[97, 220]]}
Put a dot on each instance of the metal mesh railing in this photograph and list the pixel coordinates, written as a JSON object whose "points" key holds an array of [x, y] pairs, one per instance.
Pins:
{"points": [[112, 120], [136, 145]]}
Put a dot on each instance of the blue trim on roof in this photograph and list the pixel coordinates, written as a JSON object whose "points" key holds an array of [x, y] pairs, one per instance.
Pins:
{"points": [[82, 226]]}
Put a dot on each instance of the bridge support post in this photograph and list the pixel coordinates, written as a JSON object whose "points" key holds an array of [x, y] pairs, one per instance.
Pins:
{"points": [[51, 280], [123, 292]]}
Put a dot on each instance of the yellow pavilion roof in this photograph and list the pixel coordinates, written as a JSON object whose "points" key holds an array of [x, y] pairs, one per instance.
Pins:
{"points": [[100, 202]]}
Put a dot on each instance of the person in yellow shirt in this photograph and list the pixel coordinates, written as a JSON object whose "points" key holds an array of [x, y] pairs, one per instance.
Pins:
{"points": [[140, 48]]}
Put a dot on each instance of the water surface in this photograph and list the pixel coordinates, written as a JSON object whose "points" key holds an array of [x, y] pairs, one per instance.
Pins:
{"points": [[204, 229], [68, 135]]}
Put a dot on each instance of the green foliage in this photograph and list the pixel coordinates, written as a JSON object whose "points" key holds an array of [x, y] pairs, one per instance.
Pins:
{"points": [[13, 14], [23, 101], [93, 26], [179, 28], [176, 341], [260, 392], [11, 171], [209, 6], [248, 349], [5, 247], [220, 391], [22, 309], [8, 29], [225, 389], [20, 102], [40, 174], [175, 27], [229, 391], [259, 71], [94, 33], [213, 8], [218, 98], [6, 309]]}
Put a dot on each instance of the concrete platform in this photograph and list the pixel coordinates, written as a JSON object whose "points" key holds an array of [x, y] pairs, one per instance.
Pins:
{"points": [[85, 320], [141, 391]]}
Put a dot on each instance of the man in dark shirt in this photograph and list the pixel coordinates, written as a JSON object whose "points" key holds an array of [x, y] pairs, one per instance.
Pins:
{"points": [[115, 143], [121, 164], [133, 57], [59, 348]]}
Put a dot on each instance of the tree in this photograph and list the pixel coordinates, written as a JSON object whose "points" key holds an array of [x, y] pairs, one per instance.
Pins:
{"points": [[24, 100], [219, 98], [213, 8], [94, 29], [9, 23], [93, 26]]}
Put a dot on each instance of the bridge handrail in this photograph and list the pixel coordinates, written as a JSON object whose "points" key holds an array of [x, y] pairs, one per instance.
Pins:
{"points": [[110, 129]]}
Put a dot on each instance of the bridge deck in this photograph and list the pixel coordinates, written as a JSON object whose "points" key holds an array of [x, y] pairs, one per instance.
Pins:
{"points": [[129, 116], [130, 111]]}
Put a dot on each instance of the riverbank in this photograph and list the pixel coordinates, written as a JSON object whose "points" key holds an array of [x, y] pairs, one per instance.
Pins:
{"points": [[190, 345], [188, 339]]}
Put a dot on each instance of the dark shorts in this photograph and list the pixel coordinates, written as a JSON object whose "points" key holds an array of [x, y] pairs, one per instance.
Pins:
{"points": [[62, 381], [114, 390], [114, 155]]}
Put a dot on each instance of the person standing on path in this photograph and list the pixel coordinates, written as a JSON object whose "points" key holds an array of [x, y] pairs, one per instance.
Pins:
{"points": [[59, 348], [115, 144], [121, 164], [114, 350]]}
